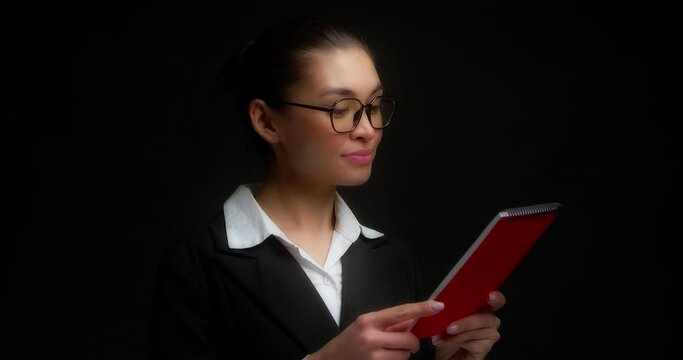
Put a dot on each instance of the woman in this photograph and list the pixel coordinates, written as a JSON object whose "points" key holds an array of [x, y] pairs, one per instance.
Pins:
{"points": [[286, 271]]}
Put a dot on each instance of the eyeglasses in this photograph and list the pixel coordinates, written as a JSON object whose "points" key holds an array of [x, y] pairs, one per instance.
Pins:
{"points": [[345, 114]]}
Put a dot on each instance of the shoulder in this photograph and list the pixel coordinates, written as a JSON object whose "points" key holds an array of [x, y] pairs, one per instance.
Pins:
{"points": [[192, 249]]}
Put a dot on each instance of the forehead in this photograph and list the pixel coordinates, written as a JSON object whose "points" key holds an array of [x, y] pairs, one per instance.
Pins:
{"points": [[348, 69]]}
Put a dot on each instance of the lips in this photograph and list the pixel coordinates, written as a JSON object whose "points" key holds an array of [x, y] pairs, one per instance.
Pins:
{"points": [[361, 157]]}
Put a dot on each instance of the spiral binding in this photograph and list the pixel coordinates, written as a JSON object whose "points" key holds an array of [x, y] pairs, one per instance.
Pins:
{"points": [[530, 210]]}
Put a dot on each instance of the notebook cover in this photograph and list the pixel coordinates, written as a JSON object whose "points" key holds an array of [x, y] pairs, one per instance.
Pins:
{"points": [[486, 265]]}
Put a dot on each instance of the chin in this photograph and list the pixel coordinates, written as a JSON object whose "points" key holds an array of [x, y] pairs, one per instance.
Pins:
{"points": [[355, 180]]}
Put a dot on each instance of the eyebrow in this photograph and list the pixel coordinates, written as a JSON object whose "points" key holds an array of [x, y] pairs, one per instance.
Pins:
{"points": [[348, 92]]}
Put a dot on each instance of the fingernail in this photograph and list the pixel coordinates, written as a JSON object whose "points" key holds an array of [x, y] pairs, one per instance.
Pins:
{"points": [[438, 306], [452, 329], [492, 298], [436, 340]]}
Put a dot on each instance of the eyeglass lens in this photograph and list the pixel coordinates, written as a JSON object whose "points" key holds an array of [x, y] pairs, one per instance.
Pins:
{"points": [[347, 113]]}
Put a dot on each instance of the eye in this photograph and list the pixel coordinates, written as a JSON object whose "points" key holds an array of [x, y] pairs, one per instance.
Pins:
{"points": [[340, 111]]}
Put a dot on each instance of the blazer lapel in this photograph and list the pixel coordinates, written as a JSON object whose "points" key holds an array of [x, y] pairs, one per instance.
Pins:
{"points": [[270, 273], [366, 284]]}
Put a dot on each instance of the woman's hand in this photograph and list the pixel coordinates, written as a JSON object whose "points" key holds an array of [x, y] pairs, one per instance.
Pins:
{"points": [[379, 335], [472, 337]]}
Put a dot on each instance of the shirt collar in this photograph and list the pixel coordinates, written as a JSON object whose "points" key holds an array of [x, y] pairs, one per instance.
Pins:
{"points": [[247, 225]]}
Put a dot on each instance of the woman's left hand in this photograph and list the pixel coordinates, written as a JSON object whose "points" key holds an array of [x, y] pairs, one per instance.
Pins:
{"points": [[472, 337]]}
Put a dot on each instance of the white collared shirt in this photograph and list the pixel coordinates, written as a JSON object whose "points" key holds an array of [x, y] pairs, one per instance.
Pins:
{"points": [[247, 225]]}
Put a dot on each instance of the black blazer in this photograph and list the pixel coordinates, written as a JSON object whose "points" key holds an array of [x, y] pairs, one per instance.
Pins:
{"points": [[212, 302]]}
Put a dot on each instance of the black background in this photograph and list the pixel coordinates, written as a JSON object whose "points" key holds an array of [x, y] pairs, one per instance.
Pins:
{"points": [[115, 142]]}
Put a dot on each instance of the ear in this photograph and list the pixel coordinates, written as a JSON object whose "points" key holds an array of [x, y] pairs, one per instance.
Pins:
{"points": [[262, 121]]}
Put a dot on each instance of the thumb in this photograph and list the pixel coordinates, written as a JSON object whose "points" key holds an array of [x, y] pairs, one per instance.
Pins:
{"points": [[396, 315], [402, 326]]}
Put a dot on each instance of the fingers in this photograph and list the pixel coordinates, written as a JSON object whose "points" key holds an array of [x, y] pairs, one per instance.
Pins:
{"points": [[380, 334], [474, 322], [496, 300], [475, 335], [378, 340], [401, 341], [402, 326], [400, 313], [477, 343], [487, 335]]}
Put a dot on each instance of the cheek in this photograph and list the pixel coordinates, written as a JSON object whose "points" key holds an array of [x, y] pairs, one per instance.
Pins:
{"points": [[313, 146], [321, 151]]}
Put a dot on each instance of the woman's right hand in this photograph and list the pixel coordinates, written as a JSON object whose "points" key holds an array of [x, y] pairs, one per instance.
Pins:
{"points": [[379, 334]]}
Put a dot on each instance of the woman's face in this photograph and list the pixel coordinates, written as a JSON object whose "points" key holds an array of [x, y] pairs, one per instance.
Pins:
{"points": [[309, 147]]}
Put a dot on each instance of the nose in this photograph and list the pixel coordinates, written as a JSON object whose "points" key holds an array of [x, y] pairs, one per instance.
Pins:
{"points": [[364, 128]]}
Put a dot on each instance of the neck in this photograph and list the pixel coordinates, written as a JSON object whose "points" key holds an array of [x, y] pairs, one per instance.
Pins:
{"points": [[298, 207]]}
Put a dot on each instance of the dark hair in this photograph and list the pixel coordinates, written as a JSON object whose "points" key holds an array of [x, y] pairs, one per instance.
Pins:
{"points": [[265, 67]]}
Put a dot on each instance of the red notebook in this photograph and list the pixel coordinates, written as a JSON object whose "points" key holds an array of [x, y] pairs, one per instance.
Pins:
{"points": [[486, 265]]}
